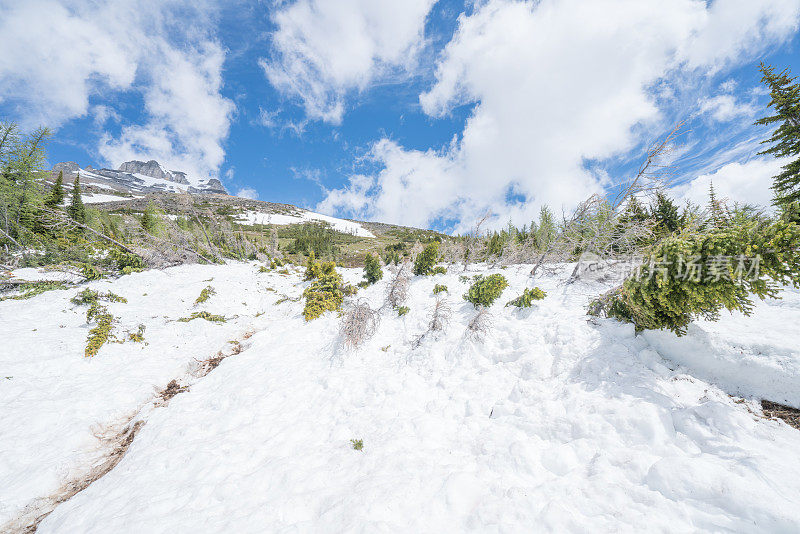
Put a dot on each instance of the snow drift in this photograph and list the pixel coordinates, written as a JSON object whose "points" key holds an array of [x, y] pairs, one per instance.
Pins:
{"points": [[554, 421]]}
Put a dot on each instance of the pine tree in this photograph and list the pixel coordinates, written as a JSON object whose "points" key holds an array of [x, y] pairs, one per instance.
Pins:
{"points": [[634, 212], [546, 232], [785, 140], [665, 213], [372, 269], [76, 208], [715, 207], [57, 194]]}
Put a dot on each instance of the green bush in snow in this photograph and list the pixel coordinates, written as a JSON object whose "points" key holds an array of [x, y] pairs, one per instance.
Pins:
{"points": [[425, 260], [372, 269], [485, 290], [670, 292], [528, 296]]}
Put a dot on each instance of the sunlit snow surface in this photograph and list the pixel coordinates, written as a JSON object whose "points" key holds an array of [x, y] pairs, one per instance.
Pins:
{"points": [[552, 423], [302, 216]]}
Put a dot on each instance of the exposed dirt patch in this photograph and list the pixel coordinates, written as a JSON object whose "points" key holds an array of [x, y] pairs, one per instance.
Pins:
{"points": [[172, 389], [789, 415]]}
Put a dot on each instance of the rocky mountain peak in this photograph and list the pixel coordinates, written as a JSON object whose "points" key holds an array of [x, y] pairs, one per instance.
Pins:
{"points": [[148, 168]]}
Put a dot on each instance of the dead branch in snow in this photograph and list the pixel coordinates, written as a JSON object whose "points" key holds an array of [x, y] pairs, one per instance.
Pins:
{"points": [[358, 324]]}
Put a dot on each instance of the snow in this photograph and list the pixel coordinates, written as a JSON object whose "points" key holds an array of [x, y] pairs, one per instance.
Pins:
{"points": [[303, 216], [92, 199], [149, 181], [555, 420]]}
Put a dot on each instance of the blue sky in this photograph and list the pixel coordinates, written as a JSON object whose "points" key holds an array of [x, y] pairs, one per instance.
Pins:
{"points": [[423, 113]]}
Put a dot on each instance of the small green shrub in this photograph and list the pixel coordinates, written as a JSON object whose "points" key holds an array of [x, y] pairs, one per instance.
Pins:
{"points": [[439, 288], [358, 444], [372, 269], [315, 269], [324, 294], [485, 290], [528, 296], [441, 269], [203, 315], [205, 294], [100, 334], [263, 269], [87, 297], [90, 272], [138, 336], [126, 262], [402, 310], [425, 260]]}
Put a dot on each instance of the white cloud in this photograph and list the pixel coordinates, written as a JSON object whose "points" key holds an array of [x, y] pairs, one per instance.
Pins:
{"points": [[744, 182], [59, 59], [724, 108], [324, 49], [555, 83], [188, 117], [247, 192]]}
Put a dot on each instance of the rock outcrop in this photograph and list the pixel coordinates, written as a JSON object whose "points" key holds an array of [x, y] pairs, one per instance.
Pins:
{"points": [[139, 177]]}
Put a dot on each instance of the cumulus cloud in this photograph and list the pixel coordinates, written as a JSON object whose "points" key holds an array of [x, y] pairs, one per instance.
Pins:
{"points": [[82, 53], [744, 182], [247, 192], [554, 84], [322, 50]]}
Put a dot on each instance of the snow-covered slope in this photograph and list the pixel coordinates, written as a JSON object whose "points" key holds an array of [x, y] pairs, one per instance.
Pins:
{"points": [[299, 216], [553, 422]]}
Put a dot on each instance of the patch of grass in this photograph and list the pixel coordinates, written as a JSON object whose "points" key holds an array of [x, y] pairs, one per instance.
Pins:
{"points": [[441, 269], [203, 315], [138, 336], [205, 294], [357, 444], [31, 289]]}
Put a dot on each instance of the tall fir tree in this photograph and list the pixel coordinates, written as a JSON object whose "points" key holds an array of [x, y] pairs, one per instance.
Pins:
{"points": [[76, 208], [785, 140], [57, 193], [665, 213], [634, 212], [716, 208]]}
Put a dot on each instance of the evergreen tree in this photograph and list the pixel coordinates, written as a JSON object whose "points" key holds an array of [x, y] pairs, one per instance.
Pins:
{"points": [[76, 208], [785, 140], [426, 260], [150, 220], [57, 194], [715, 208], [665, 213], [634, 212], [546, 232], [372, 269]]}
